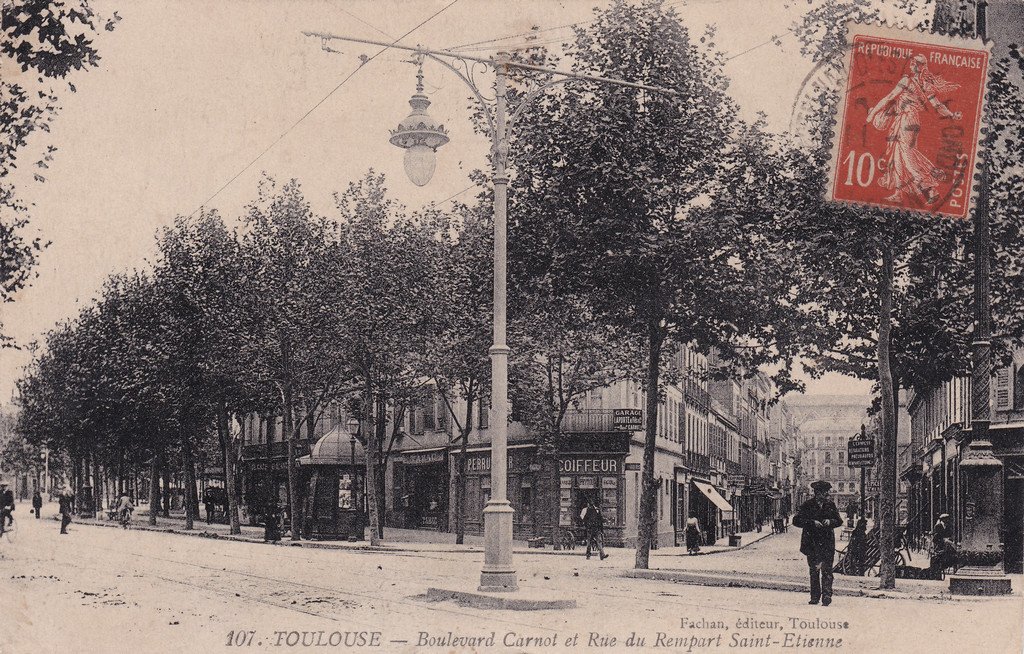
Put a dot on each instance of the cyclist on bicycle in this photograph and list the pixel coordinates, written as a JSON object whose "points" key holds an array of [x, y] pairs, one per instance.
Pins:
{"points": [[6, 506], [124, 510]]}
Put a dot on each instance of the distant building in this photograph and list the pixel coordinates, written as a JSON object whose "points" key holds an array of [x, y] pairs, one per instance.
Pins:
{"points": [[827, 423]]}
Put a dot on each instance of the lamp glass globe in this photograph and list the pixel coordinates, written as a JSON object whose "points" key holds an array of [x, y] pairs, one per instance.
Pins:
{"points": [[420, 161]]}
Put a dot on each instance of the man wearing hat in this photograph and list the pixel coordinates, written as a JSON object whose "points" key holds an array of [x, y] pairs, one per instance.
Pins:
{"points": [[941, 544], [819, 517]]}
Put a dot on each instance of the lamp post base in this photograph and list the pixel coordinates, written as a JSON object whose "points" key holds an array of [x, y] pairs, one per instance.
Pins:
{"points": [[498, 575], [979, 580]]}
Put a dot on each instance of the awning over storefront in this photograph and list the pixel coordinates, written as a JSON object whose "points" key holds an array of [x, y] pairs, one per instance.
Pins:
{"points": [[713, 495]]}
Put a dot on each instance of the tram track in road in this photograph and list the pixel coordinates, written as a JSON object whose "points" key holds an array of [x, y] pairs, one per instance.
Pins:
{"points": [[660, 597], [415, 607]]}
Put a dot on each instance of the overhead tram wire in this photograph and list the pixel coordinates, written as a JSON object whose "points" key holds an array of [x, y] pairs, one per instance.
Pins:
{"points": [[317, 105], [489, 42]]}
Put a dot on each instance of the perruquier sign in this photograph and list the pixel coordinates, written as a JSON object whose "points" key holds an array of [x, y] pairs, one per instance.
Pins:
{"points": [[589, 465]]}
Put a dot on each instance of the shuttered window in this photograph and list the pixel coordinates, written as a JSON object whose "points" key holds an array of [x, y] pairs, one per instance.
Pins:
{"points": [[1004, 389]]}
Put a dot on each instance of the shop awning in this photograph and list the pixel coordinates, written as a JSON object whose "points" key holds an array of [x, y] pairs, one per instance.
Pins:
{"points": [[713, 495]]}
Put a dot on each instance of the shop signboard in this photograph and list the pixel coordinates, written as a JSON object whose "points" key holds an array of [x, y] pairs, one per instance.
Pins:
{"points": [[628, 419], [860, 453], [737, 480]]}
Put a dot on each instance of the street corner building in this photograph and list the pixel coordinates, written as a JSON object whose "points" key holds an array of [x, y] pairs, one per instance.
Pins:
{"points": [[725, 456]]}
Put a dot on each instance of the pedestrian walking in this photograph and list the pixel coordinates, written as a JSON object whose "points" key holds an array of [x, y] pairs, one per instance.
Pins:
{"points": [[66, 501], [818, 517], [209, 505], [942, 546], [858, 545], [272, 526], [593, 524], [37, 503], [693, 537], [6, 505]]}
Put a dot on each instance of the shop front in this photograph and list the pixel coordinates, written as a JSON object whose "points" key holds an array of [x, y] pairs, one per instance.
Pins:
{"points": [[420, 481], [523, 484], [265, 480], [710, 508], [590, 476]]}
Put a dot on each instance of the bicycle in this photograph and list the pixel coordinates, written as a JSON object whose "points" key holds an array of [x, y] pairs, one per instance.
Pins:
{"points": [[568, 539]]}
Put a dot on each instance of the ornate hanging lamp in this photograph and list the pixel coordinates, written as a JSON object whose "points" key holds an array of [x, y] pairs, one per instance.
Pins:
{"points": [[420, 136]]}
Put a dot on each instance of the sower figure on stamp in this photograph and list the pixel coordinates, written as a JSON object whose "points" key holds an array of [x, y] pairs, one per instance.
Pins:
{"points": [[909, 171], [818, 517]]}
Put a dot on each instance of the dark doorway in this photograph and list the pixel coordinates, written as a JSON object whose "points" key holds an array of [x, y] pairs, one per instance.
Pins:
{"points": [[427, 496]]}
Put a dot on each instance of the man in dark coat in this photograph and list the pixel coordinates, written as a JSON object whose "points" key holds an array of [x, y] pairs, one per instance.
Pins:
{"points": [[593, 523], [66, 499], [37, 503], [818, 517]]}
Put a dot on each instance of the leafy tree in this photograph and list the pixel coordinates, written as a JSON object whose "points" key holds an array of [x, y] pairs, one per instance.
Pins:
{"points": [[894, 288], [293, 341], [46, 40], [201, 272], [383, 285], [455, 354], [634, 188]]}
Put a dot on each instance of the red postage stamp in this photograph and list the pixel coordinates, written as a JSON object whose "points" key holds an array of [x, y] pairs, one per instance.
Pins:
{"points": [[908, 121]]}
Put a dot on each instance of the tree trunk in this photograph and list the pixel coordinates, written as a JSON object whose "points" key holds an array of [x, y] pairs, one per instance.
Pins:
{"points": [[372, 451], [887, 468], [380, 427], [166, 499], [460, 475], [228, 453], [293, 473], [189, 472], [647, 520], [154, 490], [549, 461], [97, 485]]}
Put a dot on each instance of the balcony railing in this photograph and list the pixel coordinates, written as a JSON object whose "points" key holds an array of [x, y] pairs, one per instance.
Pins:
{"points": [[588, 420], [700, 462], [696, 394]]}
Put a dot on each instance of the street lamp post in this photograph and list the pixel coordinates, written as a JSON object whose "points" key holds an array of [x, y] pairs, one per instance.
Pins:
{"points": [[421, 136]]}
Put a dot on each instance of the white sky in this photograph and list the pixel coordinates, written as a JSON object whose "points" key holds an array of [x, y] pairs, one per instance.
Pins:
{"points": [[189, 93]]}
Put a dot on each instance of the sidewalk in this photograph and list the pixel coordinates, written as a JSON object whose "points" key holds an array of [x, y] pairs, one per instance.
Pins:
{"points": [[777, 564], [842, 585], [395, 539]]}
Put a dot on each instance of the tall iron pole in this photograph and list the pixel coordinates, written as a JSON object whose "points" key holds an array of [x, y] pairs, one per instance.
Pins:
{"points": [[498, 574], [981, 345]]}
